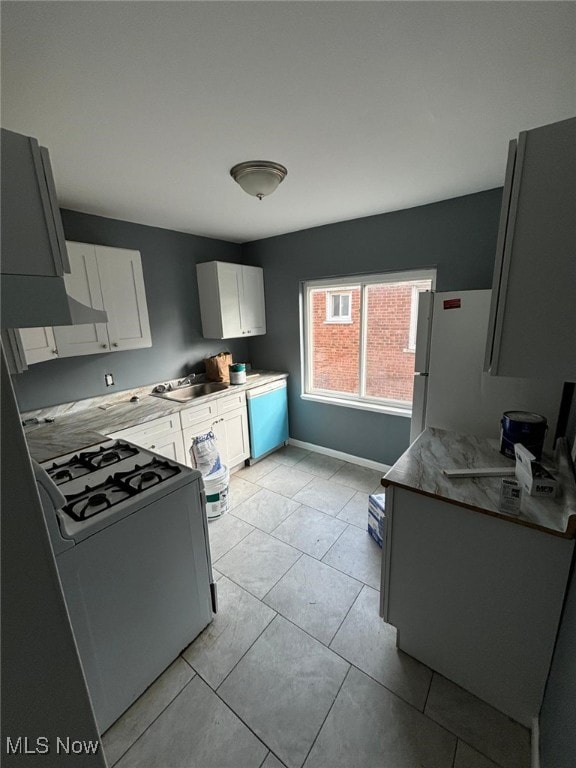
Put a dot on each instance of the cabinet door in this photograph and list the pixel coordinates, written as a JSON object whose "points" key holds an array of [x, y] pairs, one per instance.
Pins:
{"points": [[534, 314], [230, 287], [83, 284], [170, 446], [232, 434], [38, 344], [252, 308], [32, 238], [124, 297], [219, 289]]}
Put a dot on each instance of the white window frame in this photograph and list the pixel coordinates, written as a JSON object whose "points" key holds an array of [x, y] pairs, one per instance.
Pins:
{"points": [[416, 291], [330, 317], [343, 285]]}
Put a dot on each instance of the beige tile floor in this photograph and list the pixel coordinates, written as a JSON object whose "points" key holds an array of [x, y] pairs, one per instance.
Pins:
{"points": [[297, 669]]}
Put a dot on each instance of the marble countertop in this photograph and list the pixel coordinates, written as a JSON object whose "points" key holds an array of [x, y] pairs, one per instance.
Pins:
{"points": [[83, 423], [421, 469]]}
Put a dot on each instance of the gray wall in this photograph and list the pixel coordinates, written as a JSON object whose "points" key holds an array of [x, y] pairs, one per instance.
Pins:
{"points": [[457, 236], [169, 263]]}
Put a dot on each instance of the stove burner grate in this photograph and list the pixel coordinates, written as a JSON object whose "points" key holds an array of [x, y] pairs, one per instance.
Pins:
{"points": [[92, 501], [62, 473], [105, 456], [118, 487], [142, 477]]}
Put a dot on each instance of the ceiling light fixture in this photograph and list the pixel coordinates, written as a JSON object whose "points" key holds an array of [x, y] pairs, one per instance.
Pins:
{"points": [[258, 177]]}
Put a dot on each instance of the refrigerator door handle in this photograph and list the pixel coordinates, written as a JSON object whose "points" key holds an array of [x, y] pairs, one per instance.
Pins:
{"points": [[421, 373]]}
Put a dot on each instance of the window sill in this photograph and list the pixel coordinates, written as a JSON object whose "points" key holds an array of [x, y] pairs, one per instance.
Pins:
{"points": [[361, 405]]}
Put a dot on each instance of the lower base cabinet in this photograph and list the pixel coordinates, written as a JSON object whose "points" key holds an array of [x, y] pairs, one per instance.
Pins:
{"points": [[171, 436], [162, 436], [231, 432], [476, 598]]}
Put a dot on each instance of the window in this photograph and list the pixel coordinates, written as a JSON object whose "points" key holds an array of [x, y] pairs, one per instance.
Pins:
{"points": [[358, 339], [338, 307]]}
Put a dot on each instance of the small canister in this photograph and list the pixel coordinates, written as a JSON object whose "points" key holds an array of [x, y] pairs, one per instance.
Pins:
{"points": [[238, 373], [523, 427]]}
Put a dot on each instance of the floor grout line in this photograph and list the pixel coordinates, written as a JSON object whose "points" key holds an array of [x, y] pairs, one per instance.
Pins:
{"points": [[136, 740], [244, 654], [428, 692], [327, 716]]}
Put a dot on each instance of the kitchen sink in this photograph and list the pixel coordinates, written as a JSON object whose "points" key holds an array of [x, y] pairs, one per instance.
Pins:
{"points": [[192, 391]]}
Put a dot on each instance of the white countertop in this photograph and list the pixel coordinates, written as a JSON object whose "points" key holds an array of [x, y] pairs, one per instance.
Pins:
{"points": [[80, 424], [421, 469]]}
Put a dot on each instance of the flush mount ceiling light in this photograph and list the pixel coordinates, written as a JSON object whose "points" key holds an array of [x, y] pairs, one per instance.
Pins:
{"points": [[258, 177]]}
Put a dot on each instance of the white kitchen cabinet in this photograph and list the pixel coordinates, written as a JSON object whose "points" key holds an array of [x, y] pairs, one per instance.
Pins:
{"points": [[231, 300], [38, 344], [110, 279], [232, 434], [227, 417], [474, 594], [26, 346], [162, 436], [533, 313]]}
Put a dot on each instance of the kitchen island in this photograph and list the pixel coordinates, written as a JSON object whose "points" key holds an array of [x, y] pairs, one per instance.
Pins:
{"points": [[474, 593]]}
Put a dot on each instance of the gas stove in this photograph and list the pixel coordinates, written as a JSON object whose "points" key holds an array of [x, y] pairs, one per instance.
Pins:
{"points": [[130, 538], [106, 482]]}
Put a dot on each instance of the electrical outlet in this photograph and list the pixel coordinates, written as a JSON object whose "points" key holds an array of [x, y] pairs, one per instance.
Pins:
{"points": [[108, 379]]}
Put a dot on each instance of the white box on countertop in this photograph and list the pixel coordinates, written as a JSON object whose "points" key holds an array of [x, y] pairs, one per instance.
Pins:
{"points": [[532, 476]]}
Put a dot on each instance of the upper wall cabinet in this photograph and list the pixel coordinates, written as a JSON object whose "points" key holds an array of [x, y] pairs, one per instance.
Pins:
{"points": [[533, 312], [32, 236], [110, 279], [231, 300]]}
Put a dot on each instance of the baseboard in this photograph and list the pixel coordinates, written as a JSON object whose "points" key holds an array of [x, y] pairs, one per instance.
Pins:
{"points": [[535, 742], [340, 455]]}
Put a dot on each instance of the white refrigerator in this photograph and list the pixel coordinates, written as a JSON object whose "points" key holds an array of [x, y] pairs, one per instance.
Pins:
{"points": [[451, 389]]}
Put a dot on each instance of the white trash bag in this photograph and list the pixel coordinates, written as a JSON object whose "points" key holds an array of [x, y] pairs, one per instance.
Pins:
{"points": [[204, 453]]}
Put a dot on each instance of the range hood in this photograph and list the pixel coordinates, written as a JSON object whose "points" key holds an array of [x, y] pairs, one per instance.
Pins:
{"points": [[31, 301]]}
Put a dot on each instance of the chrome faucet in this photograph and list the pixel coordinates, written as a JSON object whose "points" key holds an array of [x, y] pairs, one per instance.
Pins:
{"points": [[186, 382]]}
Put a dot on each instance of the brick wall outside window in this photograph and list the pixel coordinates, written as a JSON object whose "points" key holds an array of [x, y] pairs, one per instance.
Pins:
{"points": [[335, 347], [389, 362]]}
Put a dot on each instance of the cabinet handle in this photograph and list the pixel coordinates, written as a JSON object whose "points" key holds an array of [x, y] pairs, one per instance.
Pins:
{"points": [[104, 346], [114, 343], [54, 351], [152, 447]]}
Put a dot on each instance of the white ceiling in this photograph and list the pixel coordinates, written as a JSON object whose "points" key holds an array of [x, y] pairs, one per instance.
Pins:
{"points": [[372, 106]]}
